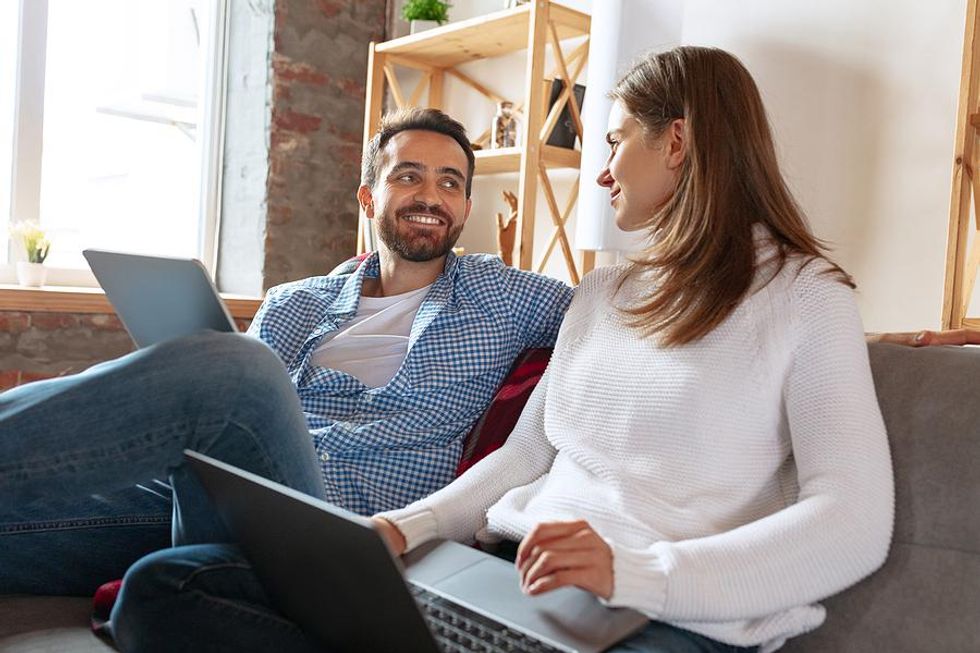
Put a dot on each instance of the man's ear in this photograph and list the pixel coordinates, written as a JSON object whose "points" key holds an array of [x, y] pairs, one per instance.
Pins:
{"points": [[366, 200], [676, 143]]}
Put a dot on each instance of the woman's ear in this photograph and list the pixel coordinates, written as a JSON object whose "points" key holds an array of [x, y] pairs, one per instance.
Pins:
{"points": [[676, 143]]}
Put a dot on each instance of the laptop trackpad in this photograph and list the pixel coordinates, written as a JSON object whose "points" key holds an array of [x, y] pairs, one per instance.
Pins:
{"points": [[568, 615]]}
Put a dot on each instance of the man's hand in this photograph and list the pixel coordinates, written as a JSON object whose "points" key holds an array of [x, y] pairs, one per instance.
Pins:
{"points": [[392, 536], [557, 554], [926, 338]]}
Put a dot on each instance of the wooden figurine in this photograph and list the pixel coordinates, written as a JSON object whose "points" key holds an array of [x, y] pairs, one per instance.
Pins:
{"points": [[507, 230]]}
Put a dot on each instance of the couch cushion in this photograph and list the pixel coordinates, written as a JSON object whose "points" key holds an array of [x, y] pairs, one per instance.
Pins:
{"points": [[36, 624], [492, 429], [927, 595]]}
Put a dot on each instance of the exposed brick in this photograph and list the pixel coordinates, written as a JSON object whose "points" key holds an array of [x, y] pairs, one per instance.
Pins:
{"points": [[303, 73], [9, 379], [279, 214], [295, 121], [29, 377], [331, 8], [14, 322], [53, 321], [101, 322]]}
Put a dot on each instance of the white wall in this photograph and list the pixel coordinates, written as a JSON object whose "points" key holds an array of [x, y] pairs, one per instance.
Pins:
{"points": [[862, 97]]}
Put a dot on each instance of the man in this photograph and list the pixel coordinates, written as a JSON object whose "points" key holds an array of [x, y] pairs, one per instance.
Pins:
{"points": [[375, 378]]}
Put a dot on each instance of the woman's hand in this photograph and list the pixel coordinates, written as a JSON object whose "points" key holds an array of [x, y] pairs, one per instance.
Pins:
{"points": [[927, 338], [557, 554], [392, 536]]}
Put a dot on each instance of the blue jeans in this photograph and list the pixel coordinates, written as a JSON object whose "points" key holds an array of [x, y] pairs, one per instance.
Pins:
{"points": [[77, 455], [207, 598]]}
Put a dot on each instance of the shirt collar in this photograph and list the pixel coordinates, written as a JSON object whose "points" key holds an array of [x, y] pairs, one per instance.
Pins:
{"points": [[344, 305]]}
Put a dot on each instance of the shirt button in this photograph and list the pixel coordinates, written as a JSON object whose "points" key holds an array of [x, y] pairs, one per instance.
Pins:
{"points": [[325, 457]]}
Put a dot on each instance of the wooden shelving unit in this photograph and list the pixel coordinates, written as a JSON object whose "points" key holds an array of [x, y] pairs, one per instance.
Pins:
{"points": [[961, 267], [436, 53]]}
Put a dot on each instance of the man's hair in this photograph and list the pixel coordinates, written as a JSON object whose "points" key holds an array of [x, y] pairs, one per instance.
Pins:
{"points": [[431, 120]]}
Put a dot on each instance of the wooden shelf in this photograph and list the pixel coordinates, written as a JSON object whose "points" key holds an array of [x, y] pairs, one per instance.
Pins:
{"points": [[508, 159], [483, 37]]}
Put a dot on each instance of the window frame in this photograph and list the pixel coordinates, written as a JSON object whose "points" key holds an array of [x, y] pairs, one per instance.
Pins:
{"points": [[28, 128]]}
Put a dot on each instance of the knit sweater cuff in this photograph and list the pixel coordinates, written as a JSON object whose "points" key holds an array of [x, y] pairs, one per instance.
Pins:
{"points": [[640, 578], [417, 527]]}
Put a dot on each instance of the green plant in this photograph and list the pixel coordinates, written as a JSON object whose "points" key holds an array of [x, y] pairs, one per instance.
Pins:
{"points": [[436, 10], [34, 240]]}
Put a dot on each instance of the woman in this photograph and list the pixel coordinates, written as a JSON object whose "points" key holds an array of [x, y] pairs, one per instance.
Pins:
{"points": [[706, 446]]}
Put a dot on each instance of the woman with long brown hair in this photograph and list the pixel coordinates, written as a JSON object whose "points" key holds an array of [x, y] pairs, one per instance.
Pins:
{"points": [[706, 446]]}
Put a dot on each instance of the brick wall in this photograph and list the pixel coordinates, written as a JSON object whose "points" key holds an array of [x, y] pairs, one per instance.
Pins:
{"points": [[42, 345]]}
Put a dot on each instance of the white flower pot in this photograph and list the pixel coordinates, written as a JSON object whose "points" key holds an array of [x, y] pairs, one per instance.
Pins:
{"points": [[31, 274], [417, 26]]}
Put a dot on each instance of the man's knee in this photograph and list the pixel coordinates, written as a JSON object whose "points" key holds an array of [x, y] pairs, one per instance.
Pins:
{"points": [[158, 589]]}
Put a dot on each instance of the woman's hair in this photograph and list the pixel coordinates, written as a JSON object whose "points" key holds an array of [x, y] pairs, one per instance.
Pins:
{"points": [[702, 251]]}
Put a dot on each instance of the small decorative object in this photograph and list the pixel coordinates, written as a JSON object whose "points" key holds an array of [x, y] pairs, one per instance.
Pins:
{"points": [[507, 230], [425, 14], [510, 4], [36, 245], [504, 132]]}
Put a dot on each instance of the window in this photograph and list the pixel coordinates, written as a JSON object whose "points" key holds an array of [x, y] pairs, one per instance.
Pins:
{"points": [[111, 122]]}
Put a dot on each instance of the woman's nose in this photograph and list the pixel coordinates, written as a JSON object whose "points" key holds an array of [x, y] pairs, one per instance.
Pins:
{"points": [[604, 179]]}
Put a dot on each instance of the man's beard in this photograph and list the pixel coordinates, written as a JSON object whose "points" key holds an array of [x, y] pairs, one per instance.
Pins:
{"points": [[419, 246]]}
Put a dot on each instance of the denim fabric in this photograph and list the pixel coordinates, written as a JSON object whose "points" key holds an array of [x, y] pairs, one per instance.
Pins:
{"points": [[72, 449], [201, 598], [207, 598]]}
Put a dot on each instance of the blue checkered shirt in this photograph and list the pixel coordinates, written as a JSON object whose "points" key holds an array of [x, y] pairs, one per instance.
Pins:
{"points": [[382, 448]]}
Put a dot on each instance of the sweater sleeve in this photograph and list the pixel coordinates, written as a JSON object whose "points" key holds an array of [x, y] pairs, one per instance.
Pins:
{"points": [[838, 530], [459, 510]]}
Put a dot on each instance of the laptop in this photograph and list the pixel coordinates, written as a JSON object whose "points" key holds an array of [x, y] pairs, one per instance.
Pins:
{"points": [[329, 571], [159, 298]]}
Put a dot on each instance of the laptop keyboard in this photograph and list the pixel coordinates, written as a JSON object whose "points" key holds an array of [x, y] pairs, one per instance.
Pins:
{"points": [[459, 629]]}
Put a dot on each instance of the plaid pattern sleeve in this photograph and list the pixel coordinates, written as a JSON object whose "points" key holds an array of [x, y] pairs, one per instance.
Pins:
{"points": [[382, 448]]}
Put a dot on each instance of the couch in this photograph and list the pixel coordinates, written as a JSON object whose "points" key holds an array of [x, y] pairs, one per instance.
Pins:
{"points": [[925, 598]]}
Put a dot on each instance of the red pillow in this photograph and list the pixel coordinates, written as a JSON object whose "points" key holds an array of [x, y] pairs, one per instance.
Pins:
{"points": [[491, 431]]}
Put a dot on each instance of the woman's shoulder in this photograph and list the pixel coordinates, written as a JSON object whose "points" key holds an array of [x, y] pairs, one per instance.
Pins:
{"points": [[601, 280]]}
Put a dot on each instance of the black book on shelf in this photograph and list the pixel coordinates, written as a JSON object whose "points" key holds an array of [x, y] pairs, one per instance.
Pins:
{"points": [[564, 133]]}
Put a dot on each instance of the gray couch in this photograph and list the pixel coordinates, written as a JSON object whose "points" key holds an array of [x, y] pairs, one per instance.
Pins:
{"points": [[925, 598]]}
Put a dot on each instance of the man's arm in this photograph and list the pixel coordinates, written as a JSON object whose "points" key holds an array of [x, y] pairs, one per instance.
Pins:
{"points": [[926, 338]]}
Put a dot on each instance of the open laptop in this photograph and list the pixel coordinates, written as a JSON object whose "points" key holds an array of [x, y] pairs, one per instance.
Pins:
{"points": [[159, 298], [330, 572]]}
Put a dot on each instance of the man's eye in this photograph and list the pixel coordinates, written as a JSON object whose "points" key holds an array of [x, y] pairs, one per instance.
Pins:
{"points": [[406, 178], [450, 183]]}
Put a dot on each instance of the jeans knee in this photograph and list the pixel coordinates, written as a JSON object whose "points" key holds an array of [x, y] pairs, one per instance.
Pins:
{"points": [[157, 594]]}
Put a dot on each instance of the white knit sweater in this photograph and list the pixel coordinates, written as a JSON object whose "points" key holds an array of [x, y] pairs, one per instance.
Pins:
{"points": [[738, 479]]}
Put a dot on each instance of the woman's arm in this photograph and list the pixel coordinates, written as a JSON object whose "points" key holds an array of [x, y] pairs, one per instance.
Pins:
{"points": [[837, 532], [458, 510]]}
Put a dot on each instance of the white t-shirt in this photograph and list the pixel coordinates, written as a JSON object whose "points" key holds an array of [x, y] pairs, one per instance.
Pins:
{"points": [[372, 346]]}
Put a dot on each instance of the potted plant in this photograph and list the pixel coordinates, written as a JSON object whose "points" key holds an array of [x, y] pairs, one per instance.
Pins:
{"points": [[425, 14], [36, 246]]}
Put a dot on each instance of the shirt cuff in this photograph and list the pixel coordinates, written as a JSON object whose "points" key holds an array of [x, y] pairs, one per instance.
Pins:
{"points": [[417, 528], [640, 578]]}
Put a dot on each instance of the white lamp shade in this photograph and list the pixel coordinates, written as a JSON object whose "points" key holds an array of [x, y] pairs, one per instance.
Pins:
{"points": [[621, 31]]}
